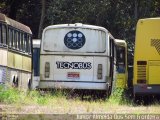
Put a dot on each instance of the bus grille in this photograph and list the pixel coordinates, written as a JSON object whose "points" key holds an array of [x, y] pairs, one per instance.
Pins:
{"points": [[141, 71], [156, 43]]}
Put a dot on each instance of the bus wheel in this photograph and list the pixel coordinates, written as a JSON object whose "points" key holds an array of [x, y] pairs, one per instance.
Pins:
{"points": [[29, 84], [138, 99]]}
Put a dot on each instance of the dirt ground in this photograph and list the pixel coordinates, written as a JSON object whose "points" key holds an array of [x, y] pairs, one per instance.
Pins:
{"points": [[78, 110]]}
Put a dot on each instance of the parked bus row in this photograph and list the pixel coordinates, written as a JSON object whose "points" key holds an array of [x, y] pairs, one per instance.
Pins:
{"points": [[107, 60], [79, 56]]}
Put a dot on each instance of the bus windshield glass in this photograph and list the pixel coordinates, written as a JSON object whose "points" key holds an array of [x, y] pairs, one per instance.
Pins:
{"points": [[121, 59], [80, 40]]}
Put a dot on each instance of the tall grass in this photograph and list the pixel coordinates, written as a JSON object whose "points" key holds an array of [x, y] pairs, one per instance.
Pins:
{"points": [[120, 97], [16, 96], [10, 95]]}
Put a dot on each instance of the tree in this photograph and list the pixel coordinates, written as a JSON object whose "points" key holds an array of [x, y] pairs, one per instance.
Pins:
{"points": [[42, 18]]}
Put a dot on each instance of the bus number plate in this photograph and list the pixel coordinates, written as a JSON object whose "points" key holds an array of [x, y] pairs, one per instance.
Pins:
{"points": [[73, 75]]}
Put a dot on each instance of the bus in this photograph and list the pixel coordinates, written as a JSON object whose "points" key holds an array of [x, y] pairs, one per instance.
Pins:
{"points": [[122, 66], [36, 58], [15, 53], [77, 56], [146, 79]]}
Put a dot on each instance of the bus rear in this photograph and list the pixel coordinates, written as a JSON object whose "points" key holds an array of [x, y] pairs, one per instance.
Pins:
{"points": [[75, 56], [147, 57]]}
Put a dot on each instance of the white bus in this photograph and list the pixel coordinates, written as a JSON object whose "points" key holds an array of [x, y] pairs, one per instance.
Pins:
{"points": [[15, 53], [77, 56], [36, 59]]}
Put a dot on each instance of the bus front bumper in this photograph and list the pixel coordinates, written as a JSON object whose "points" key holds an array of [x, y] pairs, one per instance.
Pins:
{"points": [[144, 89], [72, 85]]}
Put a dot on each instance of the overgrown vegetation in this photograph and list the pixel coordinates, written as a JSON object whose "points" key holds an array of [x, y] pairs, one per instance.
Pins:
{"points": [[120, 96], [12, 99], [11, 95]]}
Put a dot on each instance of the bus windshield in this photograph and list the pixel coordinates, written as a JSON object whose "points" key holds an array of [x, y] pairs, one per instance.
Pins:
{"points": [[121, 59], [74, 40]]}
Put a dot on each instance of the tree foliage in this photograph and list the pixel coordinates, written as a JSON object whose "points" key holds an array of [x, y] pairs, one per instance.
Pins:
{"points": [[118, 16]]}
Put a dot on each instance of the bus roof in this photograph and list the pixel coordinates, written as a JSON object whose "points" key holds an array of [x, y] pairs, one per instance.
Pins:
{"points": [[120, 42], [78, 25], [150, 18], [13, 23]]}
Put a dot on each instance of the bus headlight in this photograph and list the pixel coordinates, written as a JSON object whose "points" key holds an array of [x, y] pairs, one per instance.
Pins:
{"points": [[47, 69], [99, 71]]}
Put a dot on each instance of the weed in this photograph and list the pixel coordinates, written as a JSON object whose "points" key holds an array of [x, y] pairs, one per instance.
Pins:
{"points": [[119, 97]]}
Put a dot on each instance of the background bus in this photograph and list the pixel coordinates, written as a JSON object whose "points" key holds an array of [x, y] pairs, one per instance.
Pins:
{"points": [[122, 66], [36, 59], [77, 56], [147, 57], [15, 53]]}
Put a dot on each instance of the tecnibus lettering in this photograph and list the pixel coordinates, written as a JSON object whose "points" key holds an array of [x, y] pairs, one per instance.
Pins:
{"points": [[73, 65]]}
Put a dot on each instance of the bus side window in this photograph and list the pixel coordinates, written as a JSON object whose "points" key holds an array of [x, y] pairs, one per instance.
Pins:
{"points": [[22, 41], [13, 39], [18, 40], [29, 44], [0, 33], [4, 35], [9, 37], [25, 43], [115, 53]]}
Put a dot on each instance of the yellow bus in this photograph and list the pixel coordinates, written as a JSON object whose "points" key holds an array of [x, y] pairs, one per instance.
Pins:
{"points": [[147, 57], [122, 70], [15, 53]]}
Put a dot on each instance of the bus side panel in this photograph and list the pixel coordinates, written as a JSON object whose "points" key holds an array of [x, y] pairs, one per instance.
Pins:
{"points": [[121, 80], [3, 57], [3, 74], [26, 61], [10, 59], [19, 69], [154, 72], [3, 65], [18, 61]]}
